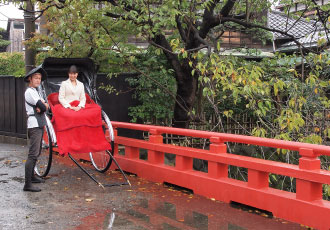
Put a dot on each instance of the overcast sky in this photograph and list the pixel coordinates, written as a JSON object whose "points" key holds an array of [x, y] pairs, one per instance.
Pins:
{"points": [[9, 11]]}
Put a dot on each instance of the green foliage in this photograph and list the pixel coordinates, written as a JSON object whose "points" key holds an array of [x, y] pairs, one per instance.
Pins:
{"points": [[275, 93], [3, 43], [12, 64], [154, 88], [81, 30]]}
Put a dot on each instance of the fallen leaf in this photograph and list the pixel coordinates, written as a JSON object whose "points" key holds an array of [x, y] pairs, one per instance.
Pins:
{"points": [[23, 161], [213, 199], [89, 200], [66, 188], [181, 220], [55, 183]]}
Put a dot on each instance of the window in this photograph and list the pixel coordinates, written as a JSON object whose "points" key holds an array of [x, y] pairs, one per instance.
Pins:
{"points": [[19, 25]]}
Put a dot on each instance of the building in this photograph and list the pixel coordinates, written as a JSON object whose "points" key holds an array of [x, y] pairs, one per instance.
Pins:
{"points": [[299, 6], [15, 29]]}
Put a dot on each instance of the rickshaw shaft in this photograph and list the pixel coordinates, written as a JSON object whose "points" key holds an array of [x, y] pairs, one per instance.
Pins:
{"points": [[85, 171]]}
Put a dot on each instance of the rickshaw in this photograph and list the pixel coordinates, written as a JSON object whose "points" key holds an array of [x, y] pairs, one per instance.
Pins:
{"points": [[56, 72]]}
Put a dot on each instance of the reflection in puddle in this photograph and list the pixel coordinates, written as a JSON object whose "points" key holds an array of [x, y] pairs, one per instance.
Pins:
{"points": [[180, 211], [201, 215], [168, 210], [109, 220], [138, 215]]}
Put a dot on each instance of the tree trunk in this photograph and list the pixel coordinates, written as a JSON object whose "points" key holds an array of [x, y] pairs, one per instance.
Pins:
{"points": [[185, 98], [29, 25], [186, 85]]}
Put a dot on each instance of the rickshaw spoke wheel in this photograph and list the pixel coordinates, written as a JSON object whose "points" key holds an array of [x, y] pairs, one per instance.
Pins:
{"points": [[45, 158], [102, 160]]}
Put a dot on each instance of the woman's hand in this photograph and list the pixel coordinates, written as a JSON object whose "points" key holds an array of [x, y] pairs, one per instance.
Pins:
{"points": [[75, 108]]}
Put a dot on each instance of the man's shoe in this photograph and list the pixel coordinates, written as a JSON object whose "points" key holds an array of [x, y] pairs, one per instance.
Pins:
{"points": [[30, 188], [36, 179]]}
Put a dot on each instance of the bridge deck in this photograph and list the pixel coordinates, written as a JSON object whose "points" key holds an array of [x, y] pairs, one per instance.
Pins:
{"points": [[70, 200]]}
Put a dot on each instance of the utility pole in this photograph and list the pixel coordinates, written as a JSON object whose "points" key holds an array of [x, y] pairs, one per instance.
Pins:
{"points": [[29, 26]]}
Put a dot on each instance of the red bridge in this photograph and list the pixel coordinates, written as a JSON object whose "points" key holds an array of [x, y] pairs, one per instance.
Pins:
{"points": [[306, 206]]}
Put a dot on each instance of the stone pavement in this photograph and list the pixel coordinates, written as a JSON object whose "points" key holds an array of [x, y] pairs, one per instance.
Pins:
{"points": [[70, 200]]}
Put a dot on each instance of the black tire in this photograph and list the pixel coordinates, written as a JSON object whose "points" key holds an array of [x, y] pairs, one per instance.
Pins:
{"points": [[102, 160], [44, 161]]}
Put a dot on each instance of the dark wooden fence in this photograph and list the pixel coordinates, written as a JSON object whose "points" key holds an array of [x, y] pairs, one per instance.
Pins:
{"points": [[12, 109]]}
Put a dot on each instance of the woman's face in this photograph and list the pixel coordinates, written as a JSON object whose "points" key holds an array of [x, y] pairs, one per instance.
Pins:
{"points": [[73, 76]]}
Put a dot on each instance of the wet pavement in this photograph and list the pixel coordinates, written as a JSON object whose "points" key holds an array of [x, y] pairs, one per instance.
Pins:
{"points": [[70, 200]]}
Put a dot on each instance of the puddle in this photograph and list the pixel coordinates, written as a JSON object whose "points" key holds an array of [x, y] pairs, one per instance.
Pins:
{"points": [[18, 179], [108, 221]]}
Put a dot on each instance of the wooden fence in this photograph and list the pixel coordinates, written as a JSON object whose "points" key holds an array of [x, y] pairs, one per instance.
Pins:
{"points": [[12, 109], [243, 124]]}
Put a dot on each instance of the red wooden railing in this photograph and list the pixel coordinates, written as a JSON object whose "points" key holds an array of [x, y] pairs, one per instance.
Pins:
{"points": [[306, 206]]}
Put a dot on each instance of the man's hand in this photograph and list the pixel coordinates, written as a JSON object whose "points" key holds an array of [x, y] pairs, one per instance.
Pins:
{"points": [[47, 106], [38, 110]]}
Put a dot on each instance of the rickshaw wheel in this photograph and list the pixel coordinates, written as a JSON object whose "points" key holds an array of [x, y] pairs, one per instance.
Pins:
{"points": [[44, 161], [102, 160]]}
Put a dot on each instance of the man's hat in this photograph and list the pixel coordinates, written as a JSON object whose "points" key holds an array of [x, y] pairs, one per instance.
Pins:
{"points": [[38, 69]]}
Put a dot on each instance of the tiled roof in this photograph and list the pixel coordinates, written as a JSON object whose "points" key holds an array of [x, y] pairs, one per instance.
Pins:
{"points": [[280, 21], [308, 40]]}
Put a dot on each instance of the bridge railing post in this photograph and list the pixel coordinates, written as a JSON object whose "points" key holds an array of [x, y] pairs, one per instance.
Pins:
{"points": [[132, 152], [155, 157], [217, 170], [258, 179], [115, 133], [308, 190], [183, 163]]}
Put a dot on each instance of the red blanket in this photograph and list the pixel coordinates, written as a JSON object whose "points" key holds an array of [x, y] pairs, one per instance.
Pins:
{"points": [[81, 131]]}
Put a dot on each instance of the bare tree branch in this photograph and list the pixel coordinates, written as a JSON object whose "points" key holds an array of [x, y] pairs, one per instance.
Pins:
{"points": [[179, 26]]}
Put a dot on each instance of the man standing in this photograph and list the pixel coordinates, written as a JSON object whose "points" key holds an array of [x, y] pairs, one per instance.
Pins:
{"points": [[35, 109]]}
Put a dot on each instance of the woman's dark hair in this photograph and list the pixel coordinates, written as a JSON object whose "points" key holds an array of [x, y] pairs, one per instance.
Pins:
{"points": [[73, 69]]}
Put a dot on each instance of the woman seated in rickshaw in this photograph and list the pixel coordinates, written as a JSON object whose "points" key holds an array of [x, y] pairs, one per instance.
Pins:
{"points": [[72, 91], [78, 124]]}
